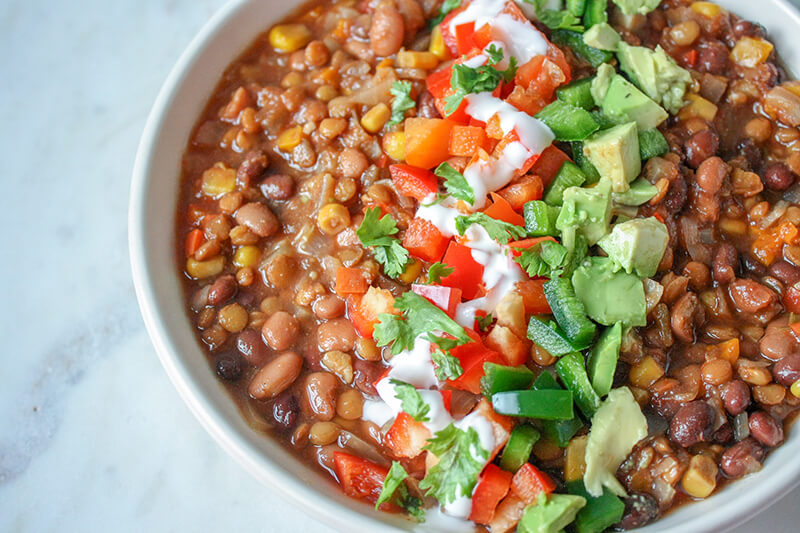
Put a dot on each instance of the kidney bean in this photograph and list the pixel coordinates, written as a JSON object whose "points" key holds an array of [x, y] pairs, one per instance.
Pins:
{"points": [[253, 166], [735, 396], [280, 330], [229, 366], [685, 314], [713, 57], [252, 347], [258, 218], [725, 262], [785, 271], [700, 147], [223, 289], [328, 306], [284, 410], [778, 177], [787, 370], [752, 265], [277, 187], [742, 458], [366, 374], [337, 334], [749, 296], [751, 152], [387, 30], [320, 395], [640, 510], [276, 376], [744, 28], [693, 423], [426, 106], [765, 429]]}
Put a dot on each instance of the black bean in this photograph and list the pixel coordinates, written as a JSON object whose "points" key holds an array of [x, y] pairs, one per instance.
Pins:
{"points": [[284, 410], [251, 345], [700, 147], [742, 458], [735, 396], [713, 57], [765, 429], [693, 423], [787, 370], [778, 177], [640, 510], [229, 366]]}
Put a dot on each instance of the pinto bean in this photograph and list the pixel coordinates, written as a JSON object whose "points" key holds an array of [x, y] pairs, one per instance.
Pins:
{"points": [[280, 330], [258, 218], [765, 429], [787, 370], [387, 30], [698, 274], [742, 458], [685, 315], [223, 289], [749, 296], [366, 374], [700, 147], [277, 187], [252, 347], [785, 271], [710, 174], [337, 334], [253, 166], [693, 423], [320, 395], [276, 376], [352, 163], [735, 396], [328, 307]]}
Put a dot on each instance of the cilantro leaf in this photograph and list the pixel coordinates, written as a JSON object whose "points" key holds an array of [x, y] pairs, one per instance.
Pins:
{"points": [[546, 259], [447, 7], [484, 78], [498, 230], [455, 183], [411, 400], [402, 102], [446, 365], [377, 231], [395, 488], [494, 54], [556, 18], [418, 317], [484, 321], [437, 271], [458, 468]]}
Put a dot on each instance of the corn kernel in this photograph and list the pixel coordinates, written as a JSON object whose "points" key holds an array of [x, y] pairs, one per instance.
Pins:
{"points": [[218, 181], [374, 119], [698, 107], [333, 218], [289, 37], [750, 52], [246, 256], [394, 144], [326, 93], [437, 46], [575, 460], [731, 226], [645, 372], [414, 59], [795, 388], [412, 271], [293, 79], [290, 138], [700, 479], [204, 269], [707, 9]]}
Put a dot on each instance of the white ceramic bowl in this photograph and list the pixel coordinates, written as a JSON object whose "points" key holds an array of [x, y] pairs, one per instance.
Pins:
{"points": [[154, 195]]}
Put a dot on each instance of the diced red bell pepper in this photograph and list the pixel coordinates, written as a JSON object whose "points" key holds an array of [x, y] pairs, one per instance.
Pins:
{"points": [[533, 297], [466, 140], [472, 356], [351, 280], [529, 482], [482, 36], [447, 398], [519, 193], [502, 210], [492, 487], [464, 41], [509, 138], [415, 182], [427, 141], [438, 82], [407, 437], [445, 298], [363, 310], [527, 243], [690, 58], [360, 478], [549, 163], [448, 36], [439, 86], [424, 240], [467, 273]]}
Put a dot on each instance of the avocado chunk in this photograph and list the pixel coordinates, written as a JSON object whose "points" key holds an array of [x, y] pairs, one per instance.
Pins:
{"points": [[616, 428], [640, 191], [602, 36], [601, 81], [634, 7], [655, 73], [587, 211], [637, 245], [615, 154], [625, 103], [551, 514], [602, 362], [609, 295]]}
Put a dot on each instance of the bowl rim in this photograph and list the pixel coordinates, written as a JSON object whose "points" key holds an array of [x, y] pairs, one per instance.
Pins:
{"points": [[305, 497]]}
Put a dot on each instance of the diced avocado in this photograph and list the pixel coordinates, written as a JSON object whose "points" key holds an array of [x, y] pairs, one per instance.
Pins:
{"points": [[550, 514], [586, 210], [609, 295], [602, 362], [625, 103], [602, 36], [616, 428], [655, 73], [640, 192], [592, 176], [615, 154], [601, 81], [633, 7], [637, 245]]}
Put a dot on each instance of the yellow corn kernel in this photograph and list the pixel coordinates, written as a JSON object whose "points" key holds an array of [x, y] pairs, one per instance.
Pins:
{"points": [[729, 350], [700, 479], [204, 269], [707, 9], [412, 271], [732, 226], [386, 62], [414, 59], [795, 388], [751, 52], [290, 138], [698, 107], [293, 79], [333, 218], [246, 256], [394, 144], [374, 119], [326, 93], [437, 46], [218, 181], [289, 37], [645, 372], [575, 460]]}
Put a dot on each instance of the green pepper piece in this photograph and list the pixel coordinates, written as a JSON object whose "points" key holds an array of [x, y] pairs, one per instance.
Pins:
{"points": [[542, 404], [568, 122], [595, 13], [600, 512], [549, 336], [519, 447], [540, 218], [573, 375], [501, 378], [652, 143], [569, 312], [558, 431], [578, 93], [574, 40], [570, 175]]}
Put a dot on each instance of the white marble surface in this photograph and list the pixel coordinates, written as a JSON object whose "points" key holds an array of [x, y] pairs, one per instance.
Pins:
{"points": [[92, 435]]}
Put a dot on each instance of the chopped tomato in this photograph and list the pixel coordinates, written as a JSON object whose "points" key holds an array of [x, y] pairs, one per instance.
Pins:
{"points": [[424, 240], [492, 487], [548, 164], [527, 99], [445, 298], [351, 280], [438, 82], [501, 425], [512, 137], [467, 273], [515, 350], [439, 86], [690, 58], [508, 513], [363, 310], [523, 191], [360, 478], [447, 398], [541, 77], [502, 210], [427, 141], [533, 297], [407, 437], [529, 482], [472, 357], [415, 182]]}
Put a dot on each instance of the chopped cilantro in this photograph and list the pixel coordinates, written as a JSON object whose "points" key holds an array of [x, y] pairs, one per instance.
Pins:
{"points": [[546, 259], [470, 80], [484, 321], [461, 459], [498, 230], [446, 365], [455, 183], [447, 7], [402, 102], [437, 271], [395, 488], [556, 19], [377, 231], [411, 400]]}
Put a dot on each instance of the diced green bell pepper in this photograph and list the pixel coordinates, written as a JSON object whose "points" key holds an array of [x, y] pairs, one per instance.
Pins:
{"points": [[568, 122], [578, 93], [540, 218], [570, 175], [652, 144], [519, 447], [600, 513], [558, 431], [569, 312], [541, 404], [595, 13], [502, 378], [549, 337], [573, 375], [574, 40]]}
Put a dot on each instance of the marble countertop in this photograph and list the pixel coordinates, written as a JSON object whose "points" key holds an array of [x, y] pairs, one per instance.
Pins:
{"points": [[93, 436]]}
